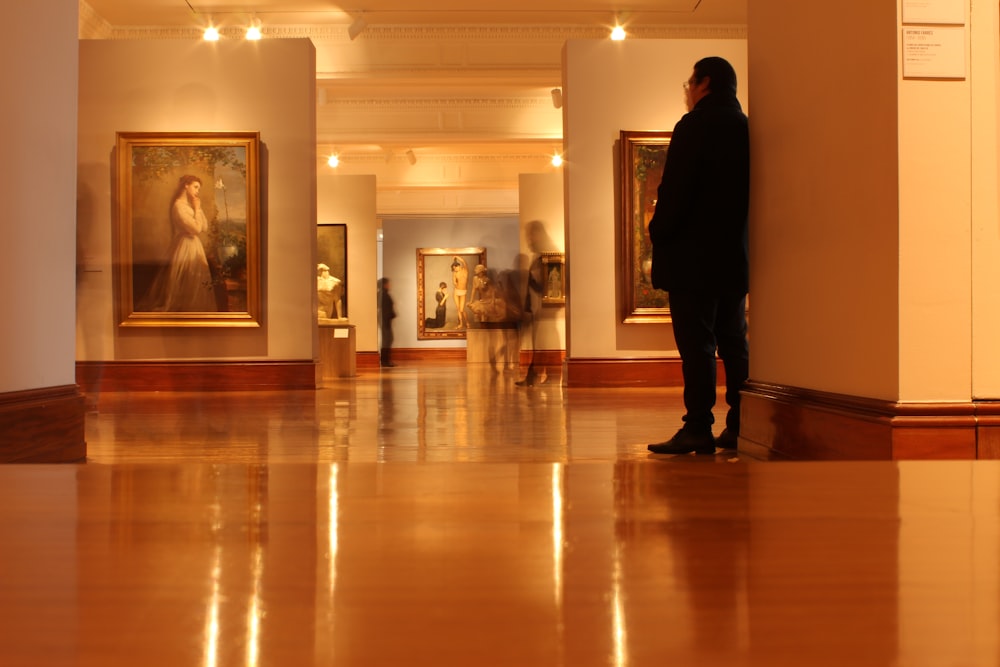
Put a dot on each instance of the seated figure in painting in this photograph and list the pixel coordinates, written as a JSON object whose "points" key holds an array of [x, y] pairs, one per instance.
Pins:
{"points": [[488, 304], [330, 291]]}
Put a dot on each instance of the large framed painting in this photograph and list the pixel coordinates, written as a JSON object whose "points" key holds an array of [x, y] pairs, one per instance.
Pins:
{"points": [[331, 271], [187, 242], [444, 283], [643, 155]]}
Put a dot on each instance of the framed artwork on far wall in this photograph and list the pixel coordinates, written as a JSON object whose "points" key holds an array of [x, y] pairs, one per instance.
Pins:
{"points": [[643, 155], [331, 270], [554, 275], [444, 283], [188, 243]]}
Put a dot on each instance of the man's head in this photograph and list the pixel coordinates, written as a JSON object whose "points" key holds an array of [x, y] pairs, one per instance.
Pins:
{"points": [[710, 75]]}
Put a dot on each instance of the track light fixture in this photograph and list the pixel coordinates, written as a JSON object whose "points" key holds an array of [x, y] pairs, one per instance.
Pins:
{"points": [[557, 99], [410, 156], [253, 30], [357, 27]]}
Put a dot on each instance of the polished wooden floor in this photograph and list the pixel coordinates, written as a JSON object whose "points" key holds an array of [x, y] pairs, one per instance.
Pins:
{"points": [[439, 515]]}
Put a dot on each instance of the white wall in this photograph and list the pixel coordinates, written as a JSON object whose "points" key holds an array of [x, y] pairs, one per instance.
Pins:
{"points": [[38, 135], [984, 67], [185, 86], [608, 87], [541, 205], [351, 200]]}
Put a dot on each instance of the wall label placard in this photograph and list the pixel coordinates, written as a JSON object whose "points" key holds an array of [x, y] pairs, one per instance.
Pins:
{"points": [[934, 52], [949, 12]]}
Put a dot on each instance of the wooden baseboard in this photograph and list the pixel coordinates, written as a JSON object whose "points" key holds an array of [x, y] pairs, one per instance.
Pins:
{"points": [[544, 358], [441, 355], [96, 376], [779, 422], [43, 426], [660, 372]]}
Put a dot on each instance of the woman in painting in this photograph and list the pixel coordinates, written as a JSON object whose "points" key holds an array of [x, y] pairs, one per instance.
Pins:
{"points": [[441, 312], [460, 278], [185, 284]]}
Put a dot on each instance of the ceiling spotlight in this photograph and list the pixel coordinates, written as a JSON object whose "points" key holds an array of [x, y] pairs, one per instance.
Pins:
{"points": [[253, 30], [618, 33], [410, 156], [557, 98], [211, 34], [357, 27], [557, 160], [333, 160]]}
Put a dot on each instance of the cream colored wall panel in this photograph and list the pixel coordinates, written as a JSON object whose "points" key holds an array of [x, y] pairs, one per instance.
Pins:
{"points": [[985, 69], [145, 86], [601, 99], [935, 272], [351, 200], [447, 202], [824, 199], [38, 132]]}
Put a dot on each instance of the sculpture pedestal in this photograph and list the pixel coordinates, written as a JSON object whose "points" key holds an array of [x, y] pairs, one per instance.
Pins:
{"points": [[337, 350], [496, 343]]}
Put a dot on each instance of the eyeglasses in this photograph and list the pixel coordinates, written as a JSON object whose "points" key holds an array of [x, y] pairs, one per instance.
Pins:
{"points": [[686, 85]]}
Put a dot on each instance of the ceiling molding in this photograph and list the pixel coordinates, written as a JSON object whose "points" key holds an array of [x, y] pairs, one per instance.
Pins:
{"points": [[504, 34]]}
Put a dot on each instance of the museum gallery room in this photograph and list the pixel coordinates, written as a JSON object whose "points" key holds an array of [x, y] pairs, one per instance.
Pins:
{"points": [[330, 337]]}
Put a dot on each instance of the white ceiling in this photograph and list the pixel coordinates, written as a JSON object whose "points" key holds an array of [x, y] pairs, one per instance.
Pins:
{"points": [[457, 81], [432, 12]]}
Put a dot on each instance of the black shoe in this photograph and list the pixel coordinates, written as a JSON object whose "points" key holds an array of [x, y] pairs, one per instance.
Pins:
{"points": [[686, 441], [727, 440]]}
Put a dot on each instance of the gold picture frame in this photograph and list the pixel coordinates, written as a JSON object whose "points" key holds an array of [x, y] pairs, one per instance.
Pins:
{"points": [[436, 266], [554, 279], [643, 155], [185, 259]]}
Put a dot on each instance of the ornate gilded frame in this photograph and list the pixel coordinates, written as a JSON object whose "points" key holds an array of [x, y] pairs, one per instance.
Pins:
{"points": [[149, 168], [434, 267], [643, 155]]}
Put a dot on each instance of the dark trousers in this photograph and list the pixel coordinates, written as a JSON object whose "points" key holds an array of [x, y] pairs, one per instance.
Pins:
{"points": [[703, 325]]}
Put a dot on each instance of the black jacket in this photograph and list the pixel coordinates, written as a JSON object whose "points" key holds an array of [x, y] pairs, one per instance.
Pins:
{"points": [[699, 227]]}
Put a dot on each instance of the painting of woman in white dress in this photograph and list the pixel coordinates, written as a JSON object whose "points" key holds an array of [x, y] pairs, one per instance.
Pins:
{"points": [[185, 284], [188, 229]]}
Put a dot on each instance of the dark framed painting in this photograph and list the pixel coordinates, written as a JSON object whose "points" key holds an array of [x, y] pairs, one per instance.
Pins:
{"points": [[188, 242], [643, 155], [331, 271], [554, 277], [444, 284]]}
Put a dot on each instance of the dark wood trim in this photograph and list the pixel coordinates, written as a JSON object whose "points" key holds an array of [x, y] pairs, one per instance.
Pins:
{"points": [[659, 372], [780, 422], [43, 426], [439, 354], [367, 361], [546, 358], [96, 376]]}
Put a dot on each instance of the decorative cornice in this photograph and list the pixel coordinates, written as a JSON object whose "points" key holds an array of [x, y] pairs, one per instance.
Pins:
{"points": [[390, 33], [91, 24], [381, 104]]}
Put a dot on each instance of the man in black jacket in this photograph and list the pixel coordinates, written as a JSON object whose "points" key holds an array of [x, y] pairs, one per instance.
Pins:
{"points": [[701, 254]]}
